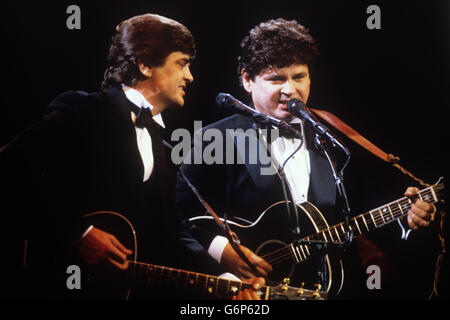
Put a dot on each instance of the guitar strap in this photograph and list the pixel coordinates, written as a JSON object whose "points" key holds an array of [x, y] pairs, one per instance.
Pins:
{"points": [[390, 158], [363, 142]]}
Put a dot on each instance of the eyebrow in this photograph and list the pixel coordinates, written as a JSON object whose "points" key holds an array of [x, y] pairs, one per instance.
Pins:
{"points": [[275, 76], [279, 76]]}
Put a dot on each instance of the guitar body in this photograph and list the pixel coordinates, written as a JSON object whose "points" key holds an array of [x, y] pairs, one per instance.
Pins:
{"points": [[270, 234]]}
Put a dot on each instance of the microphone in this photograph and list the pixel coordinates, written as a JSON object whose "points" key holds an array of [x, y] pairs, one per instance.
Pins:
{"points": [[227, 100], [300, 110]]}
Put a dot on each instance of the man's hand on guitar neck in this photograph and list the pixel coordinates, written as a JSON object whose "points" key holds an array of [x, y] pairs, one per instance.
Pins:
{"points": [[234, 264], [99, 247], [421, 212]]}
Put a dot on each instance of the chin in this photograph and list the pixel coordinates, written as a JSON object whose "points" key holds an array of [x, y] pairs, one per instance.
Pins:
{"points": [[180, 102], [176, 104]]}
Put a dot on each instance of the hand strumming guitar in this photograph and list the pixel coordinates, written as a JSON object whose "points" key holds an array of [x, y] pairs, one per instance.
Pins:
{"points": [[233, 262], [99, 247]]}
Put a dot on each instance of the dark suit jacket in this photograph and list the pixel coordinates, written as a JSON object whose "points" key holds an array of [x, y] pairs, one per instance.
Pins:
{"points": [[83, 157]]}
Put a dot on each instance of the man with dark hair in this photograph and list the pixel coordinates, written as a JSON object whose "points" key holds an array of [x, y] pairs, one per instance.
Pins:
{"points": [[274, 67], [103, 152]]}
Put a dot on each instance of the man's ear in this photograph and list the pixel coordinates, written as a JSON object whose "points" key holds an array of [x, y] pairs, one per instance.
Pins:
{"points": [[146, 71], [246, 81]]}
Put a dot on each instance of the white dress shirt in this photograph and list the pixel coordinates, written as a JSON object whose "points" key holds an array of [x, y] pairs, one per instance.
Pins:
{"points": [[298, 168], [144, 141]]}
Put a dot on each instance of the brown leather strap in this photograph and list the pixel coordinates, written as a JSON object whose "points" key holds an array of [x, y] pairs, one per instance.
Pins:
{"points": [[355, 136], [359, 139]]}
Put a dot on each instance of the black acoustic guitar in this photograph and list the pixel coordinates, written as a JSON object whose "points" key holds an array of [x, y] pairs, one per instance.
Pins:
{"points": [[268, 237], [155, 276]]}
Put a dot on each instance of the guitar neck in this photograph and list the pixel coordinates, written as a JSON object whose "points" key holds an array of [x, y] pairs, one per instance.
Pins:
{"points": [[153, 274], [368, 221]]}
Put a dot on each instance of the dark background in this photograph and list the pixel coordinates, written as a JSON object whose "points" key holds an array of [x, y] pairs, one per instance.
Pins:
{"points": [[391, 85]]}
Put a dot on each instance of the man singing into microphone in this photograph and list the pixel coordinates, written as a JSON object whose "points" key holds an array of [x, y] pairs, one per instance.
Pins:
{"points": [[274, 66]]}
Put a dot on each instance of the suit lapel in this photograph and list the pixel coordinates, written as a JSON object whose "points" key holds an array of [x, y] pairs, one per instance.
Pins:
{"points": [[125, 132]]}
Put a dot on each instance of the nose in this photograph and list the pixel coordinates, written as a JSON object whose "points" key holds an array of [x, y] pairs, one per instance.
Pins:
{"points": [[188, 75], [288, 88]]}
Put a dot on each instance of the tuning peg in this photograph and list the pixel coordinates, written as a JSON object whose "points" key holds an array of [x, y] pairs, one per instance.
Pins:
{"points": [[286, 282], [316, 293], [300, 291]]}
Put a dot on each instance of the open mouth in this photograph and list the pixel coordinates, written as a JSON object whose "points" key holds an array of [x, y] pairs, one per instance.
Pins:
{"points": [[282, 105]]}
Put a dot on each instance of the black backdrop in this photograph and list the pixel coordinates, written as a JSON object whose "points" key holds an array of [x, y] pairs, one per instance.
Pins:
{"points": [[391, 85]]}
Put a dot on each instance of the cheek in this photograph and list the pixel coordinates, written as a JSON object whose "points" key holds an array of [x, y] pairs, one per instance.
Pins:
{"points": [[306, 93], [307, 87], [268, 93]]}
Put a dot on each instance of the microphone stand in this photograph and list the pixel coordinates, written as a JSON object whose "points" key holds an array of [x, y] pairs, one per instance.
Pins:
{"points": [[339, 181], [327, 246], [262, 119]]}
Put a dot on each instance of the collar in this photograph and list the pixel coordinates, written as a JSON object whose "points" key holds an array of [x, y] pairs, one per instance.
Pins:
{"points": [[138, 99]]}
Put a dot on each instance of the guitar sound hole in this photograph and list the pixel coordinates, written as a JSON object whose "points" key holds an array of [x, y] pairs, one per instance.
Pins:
{"points": [[279, 258]]}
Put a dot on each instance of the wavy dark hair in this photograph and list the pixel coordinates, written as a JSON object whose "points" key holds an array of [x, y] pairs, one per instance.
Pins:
{"points": [[276, 43], [146, 39]]}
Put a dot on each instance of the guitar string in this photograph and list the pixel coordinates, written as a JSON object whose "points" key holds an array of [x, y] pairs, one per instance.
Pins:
{"points": [[272, 257]]}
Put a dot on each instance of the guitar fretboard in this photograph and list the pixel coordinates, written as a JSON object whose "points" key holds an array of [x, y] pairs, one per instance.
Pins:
{"points": [[368, 221], [181, 279]]}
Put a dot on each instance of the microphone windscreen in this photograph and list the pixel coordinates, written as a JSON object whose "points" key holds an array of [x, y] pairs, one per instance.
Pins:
{"points": [[295, 104], [223, 100]]}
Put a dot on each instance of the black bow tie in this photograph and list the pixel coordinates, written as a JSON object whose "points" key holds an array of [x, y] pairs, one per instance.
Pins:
{"points": [[281, 132], [144, 116]]}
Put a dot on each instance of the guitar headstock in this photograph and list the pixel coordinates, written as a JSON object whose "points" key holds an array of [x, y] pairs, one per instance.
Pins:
{"points": [[284, 291]]}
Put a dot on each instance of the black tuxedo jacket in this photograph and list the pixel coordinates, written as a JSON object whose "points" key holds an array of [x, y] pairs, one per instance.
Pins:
{"points": [[83, 157], [240, 189]]}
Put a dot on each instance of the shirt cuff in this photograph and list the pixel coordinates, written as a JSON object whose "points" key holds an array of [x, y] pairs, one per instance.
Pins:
{"points": [[87, 231], [229, 276], [217, 246]]}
